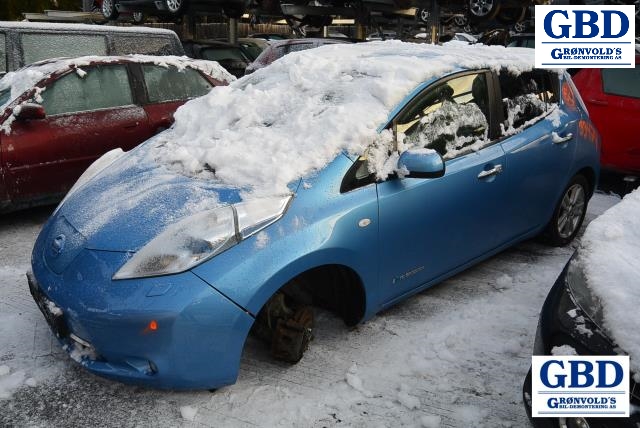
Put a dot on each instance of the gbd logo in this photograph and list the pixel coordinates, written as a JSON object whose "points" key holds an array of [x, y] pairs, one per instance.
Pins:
{"points": [[581, 374], [571, 386], [586, 24], [585, 36]]}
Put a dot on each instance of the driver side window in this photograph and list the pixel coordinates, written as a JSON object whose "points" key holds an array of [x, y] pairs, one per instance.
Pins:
{"points": [[451, 118]]}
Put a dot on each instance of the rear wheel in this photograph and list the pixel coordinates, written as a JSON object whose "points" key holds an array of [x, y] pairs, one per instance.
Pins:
{"points": [[109, 9], [569, 213]]}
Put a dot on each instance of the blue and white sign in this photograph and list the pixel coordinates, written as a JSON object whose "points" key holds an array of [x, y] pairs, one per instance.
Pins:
{"points": [[585, 36], [580, 386]]}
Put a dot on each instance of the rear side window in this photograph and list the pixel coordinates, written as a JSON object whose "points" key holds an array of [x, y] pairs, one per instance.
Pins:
{"points": [[142, 44], [525, 98], [170, 84], [101, 87], [3, 54], [621, 81], [36, 46]]}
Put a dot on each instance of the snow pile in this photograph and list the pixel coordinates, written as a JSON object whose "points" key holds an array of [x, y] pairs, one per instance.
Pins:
{"points": [[609, 256], [293, 117], [27, 77]]}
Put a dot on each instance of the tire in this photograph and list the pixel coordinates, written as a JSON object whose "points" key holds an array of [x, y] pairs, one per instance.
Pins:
{"points": [[511, 15], [424, 15], [137, 17], [175, 7], [483, 10], [109, 10], [569, 213], [461, 21]]}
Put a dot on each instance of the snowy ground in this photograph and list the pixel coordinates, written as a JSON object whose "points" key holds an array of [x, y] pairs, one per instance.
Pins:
{"points": [[453, 356]]}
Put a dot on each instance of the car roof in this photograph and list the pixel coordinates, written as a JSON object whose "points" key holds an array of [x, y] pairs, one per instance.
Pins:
{"points": [[319, 40], [44, 26]]}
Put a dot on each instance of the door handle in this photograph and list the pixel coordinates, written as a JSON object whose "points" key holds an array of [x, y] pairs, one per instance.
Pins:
{"points": [[559, 140], [494, 171], [599, 102]]}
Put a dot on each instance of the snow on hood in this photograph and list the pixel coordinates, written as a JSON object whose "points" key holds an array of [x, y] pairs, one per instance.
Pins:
{"points": [[22, 80], [293, 117], [609, 257]]}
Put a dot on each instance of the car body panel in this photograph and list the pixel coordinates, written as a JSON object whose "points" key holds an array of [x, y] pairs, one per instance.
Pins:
{"points": [[616, 118]]}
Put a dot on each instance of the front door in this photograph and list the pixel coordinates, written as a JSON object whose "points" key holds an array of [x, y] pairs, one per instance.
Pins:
{"points": [[430, 227]]}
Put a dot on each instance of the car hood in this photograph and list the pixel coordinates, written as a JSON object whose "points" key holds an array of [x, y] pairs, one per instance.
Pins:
{"points": [[131, 201]]}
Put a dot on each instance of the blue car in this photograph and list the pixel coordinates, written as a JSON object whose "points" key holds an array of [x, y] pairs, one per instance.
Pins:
{"points": [[348, 178]]}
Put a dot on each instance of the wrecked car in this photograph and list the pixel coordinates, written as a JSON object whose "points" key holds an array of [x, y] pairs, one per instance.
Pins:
{"points": [[348, 177]]}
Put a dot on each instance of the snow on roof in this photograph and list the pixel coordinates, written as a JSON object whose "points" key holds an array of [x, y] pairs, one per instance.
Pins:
{"points": [[27, 77], [609, 257], [83, 27], [295, 116]]}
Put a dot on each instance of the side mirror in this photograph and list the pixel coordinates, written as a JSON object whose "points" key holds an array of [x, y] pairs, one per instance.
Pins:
{"points": [[29, 111], [422, 163]]}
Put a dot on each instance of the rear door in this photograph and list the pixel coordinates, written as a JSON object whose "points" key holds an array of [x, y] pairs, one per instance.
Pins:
{"points": [[539, 139], [167, 88], [89, 112]]}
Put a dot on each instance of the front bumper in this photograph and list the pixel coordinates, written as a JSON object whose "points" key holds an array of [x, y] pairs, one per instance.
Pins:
{"points": [[106, 325]]}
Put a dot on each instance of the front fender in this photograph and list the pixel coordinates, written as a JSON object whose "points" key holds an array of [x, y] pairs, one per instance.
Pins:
{"points": [[321, 227]]}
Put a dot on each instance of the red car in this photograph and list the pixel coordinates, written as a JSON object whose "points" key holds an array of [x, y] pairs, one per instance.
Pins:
{"points": [[612, 97], [58, 116]]}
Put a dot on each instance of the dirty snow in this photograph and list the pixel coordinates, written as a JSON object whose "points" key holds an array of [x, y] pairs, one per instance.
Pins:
{"points": [[452, 356], [609, 257], [255, 133]]}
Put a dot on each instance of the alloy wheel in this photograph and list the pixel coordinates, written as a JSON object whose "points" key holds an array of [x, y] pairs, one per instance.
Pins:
{"points": [[481, 8], [571, 210], [174, 5]]}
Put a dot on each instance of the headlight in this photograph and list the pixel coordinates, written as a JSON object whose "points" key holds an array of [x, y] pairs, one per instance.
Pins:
{"points": [[202, 236], [582, 294]]}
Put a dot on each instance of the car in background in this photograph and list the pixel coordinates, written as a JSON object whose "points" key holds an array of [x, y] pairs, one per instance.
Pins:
{"points": [[23, 43], [592, 307], [251, 47], [232, 57], [57, 116], [382, 35], [278, 49], [173, 8], [464, 37], [290, 188], [522, 40], [613, 99], [269, 36]]}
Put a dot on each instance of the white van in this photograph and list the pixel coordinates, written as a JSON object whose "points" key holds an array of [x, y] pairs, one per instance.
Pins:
{"points": [[22, 43]]}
